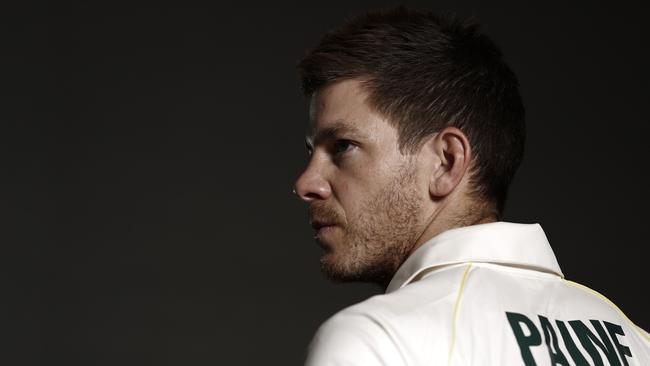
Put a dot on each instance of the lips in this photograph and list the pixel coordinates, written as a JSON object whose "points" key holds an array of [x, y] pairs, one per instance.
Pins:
{"points": [[322, 228], [317, 225]]}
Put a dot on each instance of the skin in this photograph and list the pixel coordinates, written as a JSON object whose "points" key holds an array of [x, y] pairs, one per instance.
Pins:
{"points": [[371, 204]]}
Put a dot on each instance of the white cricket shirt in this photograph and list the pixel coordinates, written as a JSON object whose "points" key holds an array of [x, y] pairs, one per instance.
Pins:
{"points": [[487, 294]]}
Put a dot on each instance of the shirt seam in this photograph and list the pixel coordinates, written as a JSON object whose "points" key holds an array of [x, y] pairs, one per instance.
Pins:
{"points": [[608, 301], [457, 304]]}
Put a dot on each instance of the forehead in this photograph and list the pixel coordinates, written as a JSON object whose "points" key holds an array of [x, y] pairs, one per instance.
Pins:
{"points": [[342, 106]]}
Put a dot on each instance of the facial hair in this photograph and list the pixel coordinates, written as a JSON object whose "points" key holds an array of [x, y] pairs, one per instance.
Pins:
{"points": [[378, 240]]}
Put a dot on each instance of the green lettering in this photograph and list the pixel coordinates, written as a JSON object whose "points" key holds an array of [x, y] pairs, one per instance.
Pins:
{"points": [[589, 339], [554, 351], [575, 353], [524, 341], [623, 351]]}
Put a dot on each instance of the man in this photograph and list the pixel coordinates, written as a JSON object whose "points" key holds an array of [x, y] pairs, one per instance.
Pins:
{"points": [[416, 130]]}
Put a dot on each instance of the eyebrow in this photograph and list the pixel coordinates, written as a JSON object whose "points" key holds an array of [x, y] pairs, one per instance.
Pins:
{"points": [[338, 128]]}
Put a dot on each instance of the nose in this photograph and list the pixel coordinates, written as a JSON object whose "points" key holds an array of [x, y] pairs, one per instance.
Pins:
{"points": [[312, 185]]}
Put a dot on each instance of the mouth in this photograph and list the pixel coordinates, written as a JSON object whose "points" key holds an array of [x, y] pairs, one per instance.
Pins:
{"points": [[322, 228], [317, 225]]}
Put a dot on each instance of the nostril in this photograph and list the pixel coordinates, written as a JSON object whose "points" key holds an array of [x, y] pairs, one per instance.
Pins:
{"points": [[310, 196]]}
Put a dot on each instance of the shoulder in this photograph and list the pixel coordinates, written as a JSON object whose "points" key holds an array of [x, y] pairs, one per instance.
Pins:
{"points": [[353, 336], [397, 328]]}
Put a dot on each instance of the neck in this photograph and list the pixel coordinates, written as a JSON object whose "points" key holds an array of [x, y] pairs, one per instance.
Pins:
{"points": [[442, 221]]}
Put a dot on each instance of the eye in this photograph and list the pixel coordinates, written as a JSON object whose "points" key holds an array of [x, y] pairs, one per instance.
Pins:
{"points": [[342, 146]]}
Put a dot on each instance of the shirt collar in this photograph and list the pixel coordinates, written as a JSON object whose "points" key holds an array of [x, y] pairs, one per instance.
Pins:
{"points": [[522, 245]]}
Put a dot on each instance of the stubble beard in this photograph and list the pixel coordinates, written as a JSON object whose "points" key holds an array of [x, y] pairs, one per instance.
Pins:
{"points": [[378, 241]]}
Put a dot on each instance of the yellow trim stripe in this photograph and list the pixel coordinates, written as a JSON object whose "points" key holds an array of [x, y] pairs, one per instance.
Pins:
{"points": [[594, 292], [456, 307]]}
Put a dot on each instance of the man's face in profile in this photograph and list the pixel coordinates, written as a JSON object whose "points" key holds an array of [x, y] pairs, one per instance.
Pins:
{"points": [[365, 197]]}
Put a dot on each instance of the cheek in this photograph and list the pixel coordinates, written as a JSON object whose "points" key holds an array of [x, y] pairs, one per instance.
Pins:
{"points": [[355, 186], [350, 195], [358, 210], [342, 190]]}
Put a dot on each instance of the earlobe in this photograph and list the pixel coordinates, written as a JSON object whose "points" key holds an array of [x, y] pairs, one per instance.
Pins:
{"points": [[451, 156]]}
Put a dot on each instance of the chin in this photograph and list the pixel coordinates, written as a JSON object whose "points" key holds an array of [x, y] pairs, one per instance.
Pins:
{"points": [[343, 266], [334, 267]]}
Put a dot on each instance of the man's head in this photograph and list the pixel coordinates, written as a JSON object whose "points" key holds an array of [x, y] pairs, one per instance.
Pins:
{"points": [[416, 126]]}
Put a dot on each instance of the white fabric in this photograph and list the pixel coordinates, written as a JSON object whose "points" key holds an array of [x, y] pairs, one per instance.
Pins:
{"points": [[488, 294]]}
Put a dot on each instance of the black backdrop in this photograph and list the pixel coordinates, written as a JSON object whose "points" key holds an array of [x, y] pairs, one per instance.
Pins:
{"points": [[149, 151]]}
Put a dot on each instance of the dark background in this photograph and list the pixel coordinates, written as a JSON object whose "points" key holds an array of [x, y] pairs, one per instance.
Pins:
{"points": [[149, 150]]}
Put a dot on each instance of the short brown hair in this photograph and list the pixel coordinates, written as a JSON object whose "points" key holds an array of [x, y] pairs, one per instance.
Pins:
{"points": [[425, 72]]}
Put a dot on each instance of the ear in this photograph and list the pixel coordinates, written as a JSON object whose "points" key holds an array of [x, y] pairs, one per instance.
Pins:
{"points": [[450, 151]]}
